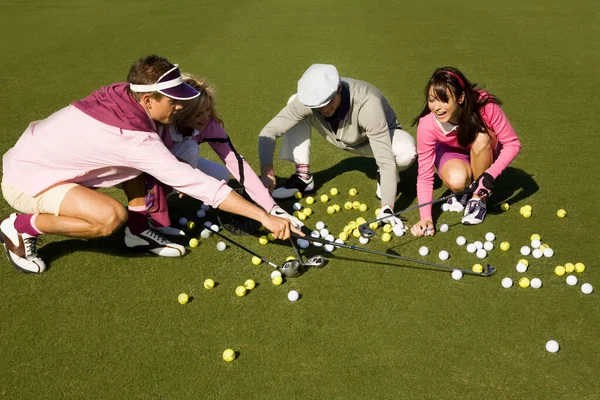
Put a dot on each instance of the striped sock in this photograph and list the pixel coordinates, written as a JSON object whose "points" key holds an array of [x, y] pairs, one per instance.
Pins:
{"points": [[303, 171]]}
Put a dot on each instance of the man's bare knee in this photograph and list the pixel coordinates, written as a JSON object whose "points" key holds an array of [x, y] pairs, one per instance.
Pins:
{"points": [[108, 221]]}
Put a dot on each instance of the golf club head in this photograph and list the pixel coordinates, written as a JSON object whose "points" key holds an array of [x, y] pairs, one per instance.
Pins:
{"points": [[365, 231], [315, 262], [489, 270], [291, 269]]}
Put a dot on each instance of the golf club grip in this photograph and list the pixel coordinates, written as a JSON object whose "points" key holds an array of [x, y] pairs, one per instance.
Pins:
{"points": [[244, 248]]}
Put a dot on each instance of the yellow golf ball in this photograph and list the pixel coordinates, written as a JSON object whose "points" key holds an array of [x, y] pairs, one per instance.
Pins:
{"points": [[310, 200], [191, 225], [544, 247], [290, 258], [356, 233], [524, 282], [277, 280], [330, 210], [386, 237], [256, 260], [377, 211], [524, 261], [229, 355], [263, 240], [324, 198], [356, 205], [343, 236], [505, 206], [360, 220], [307, 211], [194, 242], [561, 213], [569, 267], [363, 207], [209, 284], [352, 224], [298, 195], [240, 291], [526, 214], [527, 207], [347, 229], [373, 225], [579, 267], [535, 236], [477, 268], [271, 237], [559, 270], [353, 192], [504, 246], [183, 298], [337, 207], [333, 192], [301, 216], [348, 205], [387, 228], [249, 284]]}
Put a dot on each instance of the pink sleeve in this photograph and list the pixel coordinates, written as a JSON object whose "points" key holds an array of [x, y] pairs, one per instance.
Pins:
{"points": [[426, 141], [220, 142], [152, 157], [495, 119]]}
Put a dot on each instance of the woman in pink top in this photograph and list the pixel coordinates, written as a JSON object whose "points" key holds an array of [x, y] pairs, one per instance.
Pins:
{"points": [[198, 122], [464, 134]]}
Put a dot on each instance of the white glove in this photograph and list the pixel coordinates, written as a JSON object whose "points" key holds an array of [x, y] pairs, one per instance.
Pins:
{"points": [[392, 219], [281, 213]]}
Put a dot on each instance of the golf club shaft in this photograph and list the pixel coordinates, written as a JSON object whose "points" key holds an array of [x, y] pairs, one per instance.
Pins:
{"points": [[247, 250], [296, 250], [380, 253]]}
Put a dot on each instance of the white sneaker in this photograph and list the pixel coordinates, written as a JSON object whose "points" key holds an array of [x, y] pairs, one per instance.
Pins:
{"points": [[474, 212], [21, 248], [457, 205], [293, 185], [153, 241]]}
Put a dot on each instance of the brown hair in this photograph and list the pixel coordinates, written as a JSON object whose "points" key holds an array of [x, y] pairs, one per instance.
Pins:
{"points": [[190, 108], [449, 79], [146, 71]]}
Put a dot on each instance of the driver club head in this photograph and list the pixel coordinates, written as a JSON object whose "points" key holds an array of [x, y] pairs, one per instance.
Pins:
{"points": [[291, 269], [315, 262], [365, 231]]}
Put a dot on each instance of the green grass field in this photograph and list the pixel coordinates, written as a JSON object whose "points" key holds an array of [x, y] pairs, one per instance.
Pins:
{"points": [[103, 325]]}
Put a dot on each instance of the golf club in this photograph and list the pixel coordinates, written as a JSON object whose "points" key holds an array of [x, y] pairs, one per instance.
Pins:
{"points": [[289, 268], [367, 232], [315, 261], [487, 271]]}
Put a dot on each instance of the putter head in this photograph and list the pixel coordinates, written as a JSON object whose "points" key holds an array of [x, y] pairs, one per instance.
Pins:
{"points": [[315, 262], [489, 270], [291, 269], [365, 231]]}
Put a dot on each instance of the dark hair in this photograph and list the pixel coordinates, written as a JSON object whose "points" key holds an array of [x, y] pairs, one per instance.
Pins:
{"points": [[146, 71], [449, 79]]}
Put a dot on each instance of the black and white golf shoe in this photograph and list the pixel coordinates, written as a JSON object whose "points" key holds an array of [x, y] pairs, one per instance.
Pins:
{"points": [[154, 242], [293, 185], [474, 212]]}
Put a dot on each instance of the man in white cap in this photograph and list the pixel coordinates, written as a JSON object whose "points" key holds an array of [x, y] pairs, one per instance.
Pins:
{"points": [[352, 115]]}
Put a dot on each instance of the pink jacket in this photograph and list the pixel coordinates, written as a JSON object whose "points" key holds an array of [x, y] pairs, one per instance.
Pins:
{"points": [[429, 133]]}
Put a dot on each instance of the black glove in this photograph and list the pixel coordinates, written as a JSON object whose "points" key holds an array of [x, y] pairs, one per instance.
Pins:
{"points": [[482, 186]]}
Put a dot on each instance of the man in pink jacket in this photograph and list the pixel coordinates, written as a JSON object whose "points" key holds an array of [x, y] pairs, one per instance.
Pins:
{"points": [[105, 139]]}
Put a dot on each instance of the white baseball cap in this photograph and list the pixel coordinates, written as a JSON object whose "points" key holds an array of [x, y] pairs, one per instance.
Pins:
{"points": [[318, 85]]}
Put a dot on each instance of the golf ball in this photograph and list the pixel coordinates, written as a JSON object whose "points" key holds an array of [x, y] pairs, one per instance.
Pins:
{"points": [[444, 228], [571, 280], [569, 267], [535, 236], [536, 283], [221, 246], [330, 210], [505, 206], [348, 205], [324, 198], [307, 211], [478, 244], [276, 280], [457, 275], [507, 283], [443, 255], [324, 232], [297, 206], [536, 243], [552, 346], [525, 250], [561, 213], [504, 246], [205, 234], [488, 246], [240, 291], [194, 242], [275, 273], [191, 225], [263, 240], [201, 213], [548, 252], [343, 236], [256, 260], [481, 253], [315, 234], [477, 268], [337, 207], [183, 298], [183, 221], [471, 248], [356, 205], [293, 295], [333, 192], [490, 236], [207, 224], [298, 195], [303, 243], [423, 250], [521, 267], [229, 355], [524, 282], [537, 253], [214, 228], [363, 207], [461, 240], [559, 270], [249, 284], [398, 230], [363, 240], [386, 237], [209, 284], [320, 225], [353, 192], [328, 248], [310, 200], [587, 288], [579, 267]]}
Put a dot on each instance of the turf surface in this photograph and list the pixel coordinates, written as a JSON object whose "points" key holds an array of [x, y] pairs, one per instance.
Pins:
{"points": [[99, 324]]}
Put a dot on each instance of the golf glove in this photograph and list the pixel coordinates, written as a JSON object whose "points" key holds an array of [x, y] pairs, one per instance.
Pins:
{"points": [[482, 186], [392, 219], [281, 213]]}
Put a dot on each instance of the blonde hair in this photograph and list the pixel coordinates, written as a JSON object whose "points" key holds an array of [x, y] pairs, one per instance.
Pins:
{"points": [[190, 108]]}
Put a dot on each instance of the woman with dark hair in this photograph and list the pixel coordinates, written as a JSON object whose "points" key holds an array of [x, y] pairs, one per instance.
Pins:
{"points": [[464, 134]]}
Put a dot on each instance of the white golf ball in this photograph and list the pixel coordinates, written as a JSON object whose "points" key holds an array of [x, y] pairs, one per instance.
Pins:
{"points": [[297, 206], [214, 228], [363, 240], [320, 225], [303, 243], [471, 248], [339, 241], [536, 283], [457, 275], [183, 221], [398, 230], [507, 283], [525, 250], [445, 207], [317, 244], [552, 346], [536, 244], [481, 253], [461, 240], [201, 213], [479, 245], [275, 273], [293, 295], [521, 268], [587, 288], [537, 253], [423, 250], [490, 236], [315, 234], [548, 252], [488, 246], [205, 234], [571, 280], [205, 207], [221, 246], [328, 248], [330, 238], [444, 228], [324, 232], [443, 255]]}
